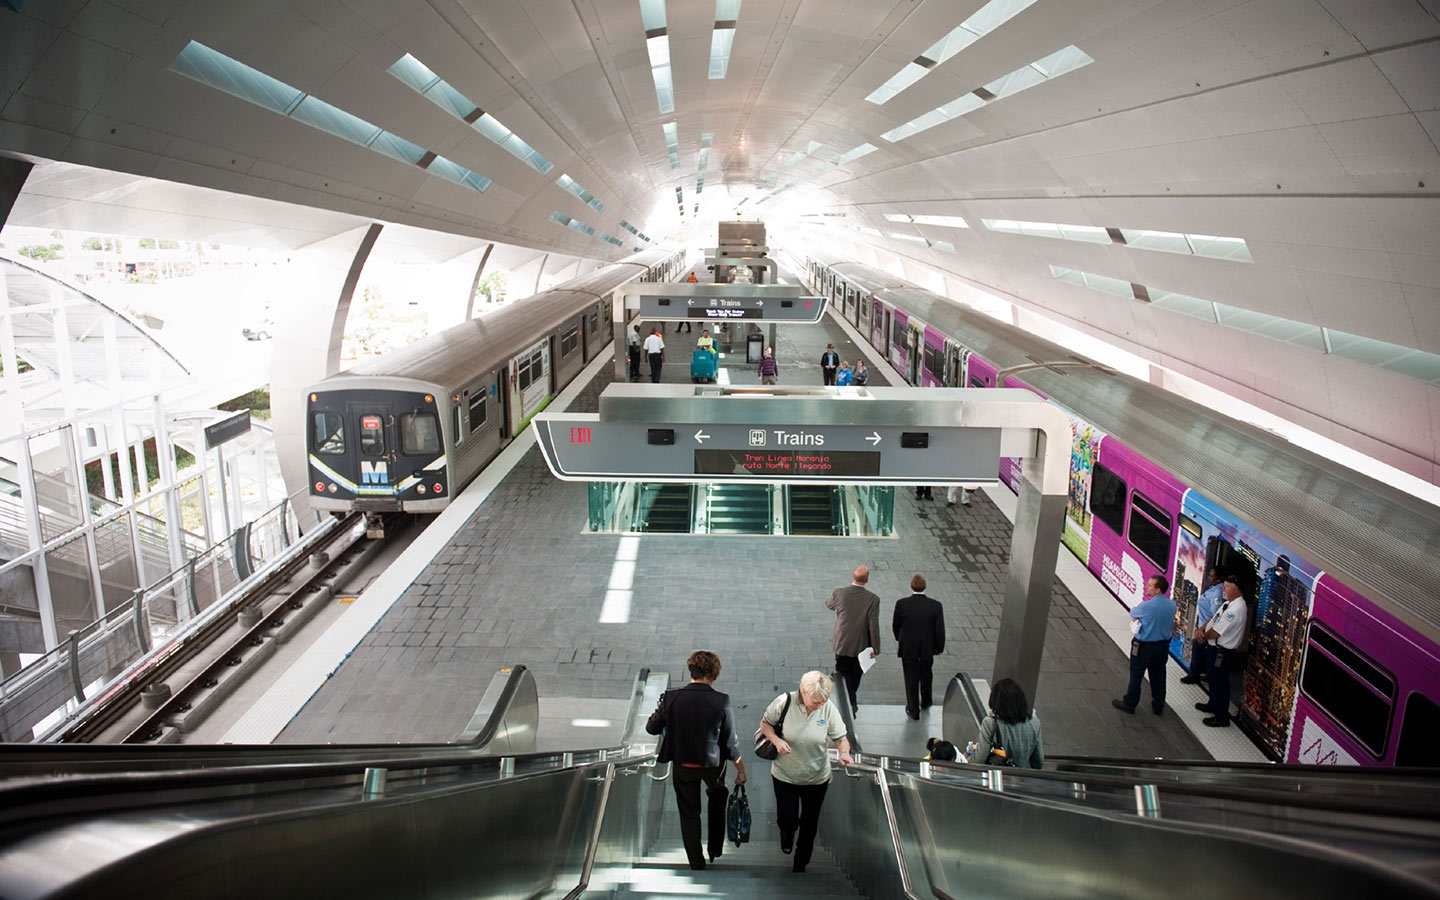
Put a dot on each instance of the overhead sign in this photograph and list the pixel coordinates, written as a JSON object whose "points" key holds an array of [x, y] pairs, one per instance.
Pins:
{"points": [[227, 429], [773, 309]]}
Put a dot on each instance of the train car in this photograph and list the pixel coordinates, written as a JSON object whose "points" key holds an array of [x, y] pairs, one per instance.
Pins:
{"points": [[408, 430], [1339, 570]]}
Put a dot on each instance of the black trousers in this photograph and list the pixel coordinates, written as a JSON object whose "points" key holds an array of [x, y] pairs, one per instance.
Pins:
{"points": [[1199, 658], [849, 668], [919, 675], [1217, 674], [797, 806], [829, 375], [655, 360], [634, 361], [1147, 656], [687, 801]]}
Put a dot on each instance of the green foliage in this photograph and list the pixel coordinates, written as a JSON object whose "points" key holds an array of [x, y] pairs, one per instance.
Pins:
{"points": [[93, 243], [37, 251], [147, 243], [95, 479], [169, 245], [257, 401], [493, 285]]}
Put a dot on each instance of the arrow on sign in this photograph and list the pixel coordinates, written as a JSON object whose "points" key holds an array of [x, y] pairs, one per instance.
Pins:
{"points": [[701, 437], [874, 438], [689, 302]]}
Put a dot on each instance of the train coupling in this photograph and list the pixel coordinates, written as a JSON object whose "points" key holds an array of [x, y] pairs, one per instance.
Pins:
{"points": [[374, 526]]}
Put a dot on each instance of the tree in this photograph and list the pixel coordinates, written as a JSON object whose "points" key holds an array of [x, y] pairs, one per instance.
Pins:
{"points": [[493, 286], [147, 243], [93, 243]]}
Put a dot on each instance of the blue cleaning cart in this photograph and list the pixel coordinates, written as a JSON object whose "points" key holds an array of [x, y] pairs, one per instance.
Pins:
{"points": [[704, 365]]}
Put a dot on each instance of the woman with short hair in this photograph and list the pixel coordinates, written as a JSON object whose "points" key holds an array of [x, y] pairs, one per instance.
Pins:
{"points": [[801, 771], [1011, 727]]}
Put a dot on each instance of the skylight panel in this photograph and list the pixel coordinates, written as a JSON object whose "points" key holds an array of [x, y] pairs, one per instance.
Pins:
{"points": [[944, 221], [657, 45], [672, 143], [850, 156], [985, 20], [699, 184], [573, 186], [722, 39], [680, 200], [509, 141], [706, 138], [611, 240], [911, 238], [1385, 355], [575, 224], [1183, 304], [214, 69]]}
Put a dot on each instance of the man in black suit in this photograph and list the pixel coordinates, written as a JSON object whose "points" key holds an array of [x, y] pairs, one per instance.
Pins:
{"points": [[698, 724], [857, 629], [919, 627]]}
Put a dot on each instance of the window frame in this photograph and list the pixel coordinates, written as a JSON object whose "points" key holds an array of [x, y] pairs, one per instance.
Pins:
{"points": [[1123, 506], [379, 431], [314, 434], [1405, 720], [471, 404], [1145, 514], [1335, 660], [400, 422]]}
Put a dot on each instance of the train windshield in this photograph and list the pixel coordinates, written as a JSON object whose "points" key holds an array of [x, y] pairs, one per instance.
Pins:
{"points": [[372, 435], [419, 434], [328, 433]]}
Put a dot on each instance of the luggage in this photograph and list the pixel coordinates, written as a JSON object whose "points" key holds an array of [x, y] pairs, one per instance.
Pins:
{"points": [[737, 816], [704, 365]]}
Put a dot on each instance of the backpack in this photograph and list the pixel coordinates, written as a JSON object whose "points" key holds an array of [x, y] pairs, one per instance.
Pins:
{"points": [[737, 816]]}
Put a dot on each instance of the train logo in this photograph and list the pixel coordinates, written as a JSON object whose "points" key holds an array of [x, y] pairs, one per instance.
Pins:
{"points": [[374, 472], [757, 437]]}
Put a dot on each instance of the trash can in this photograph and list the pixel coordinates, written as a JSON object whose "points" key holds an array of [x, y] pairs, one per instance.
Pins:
{"points": [[754, 347]]}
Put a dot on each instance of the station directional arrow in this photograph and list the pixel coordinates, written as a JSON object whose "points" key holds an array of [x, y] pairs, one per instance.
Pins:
{"points": [[689, 302], [874, 438], [701, 437]]}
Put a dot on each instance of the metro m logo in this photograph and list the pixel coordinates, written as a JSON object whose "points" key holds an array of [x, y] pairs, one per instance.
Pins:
{"points": [[374, 473]]}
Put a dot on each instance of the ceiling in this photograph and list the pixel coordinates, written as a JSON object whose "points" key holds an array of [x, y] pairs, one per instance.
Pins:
{"points": [[1307, 128]]}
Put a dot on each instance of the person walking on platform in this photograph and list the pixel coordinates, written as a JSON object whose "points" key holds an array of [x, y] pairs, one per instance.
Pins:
{"points": [[843, 374], [769, 369], [1152, 620], [829, 363], [955, 490], [808, 722], [655, 350], [634, 352], [860, 376], [1223, 634], [692, 279], [857, 629], [1011, 728], [1210, 600], [924, 492], [697, 724], [919, 626]]}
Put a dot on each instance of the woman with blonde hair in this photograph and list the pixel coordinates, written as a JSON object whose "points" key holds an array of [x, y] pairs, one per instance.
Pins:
{"points": [[801, 771]]}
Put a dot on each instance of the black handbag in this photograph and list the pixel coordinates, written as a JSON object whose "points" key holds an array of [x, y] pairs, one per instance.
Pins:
{"points": [[998, 756], [737, 816], [763, 748]]}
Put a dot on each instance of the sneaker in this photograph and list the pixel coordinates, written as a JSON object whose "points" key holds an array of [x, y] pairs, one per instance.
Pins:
{"points": [[1120, 705], [952, 503], [1216, 722], [1190, 679]]}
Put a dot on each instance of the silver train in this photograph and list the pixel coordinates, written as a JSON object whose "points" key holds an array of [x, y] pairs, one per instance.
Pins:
{"points": [[408, 430]]}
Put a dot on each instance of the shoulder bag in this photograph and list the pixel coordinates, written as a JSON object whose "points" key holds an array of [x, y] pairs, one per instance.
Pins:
{"points": [[763, 747], [998, 756]]}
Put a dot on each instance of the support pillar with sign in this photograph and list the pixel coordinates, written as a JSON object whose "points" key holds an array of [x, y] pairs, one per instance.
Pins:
{"points": [[844, 436]]}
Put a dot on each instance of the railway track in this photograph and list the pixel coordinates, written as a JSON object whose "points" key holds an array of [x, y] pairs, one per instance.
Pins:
{"points": [[209, 662]]}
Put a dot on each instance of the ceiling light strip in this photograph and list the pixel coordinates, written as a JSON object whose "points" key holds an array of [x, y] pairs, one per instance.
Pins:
{"points": [[423, 80], [573, 186], [1211, 246], [657, 46], [214, 69], [722, 39], [985, 20]]}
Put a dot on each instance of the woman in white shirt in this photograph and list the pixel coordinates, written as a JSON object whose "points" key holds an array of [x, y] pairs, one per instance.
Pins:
{"points": [[801, 772]]}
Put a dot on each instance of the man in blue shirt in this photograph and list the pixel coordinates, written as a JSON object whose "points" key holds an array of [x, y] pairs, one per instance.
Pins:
{"points": [[1205, 607], [1149, 648]]}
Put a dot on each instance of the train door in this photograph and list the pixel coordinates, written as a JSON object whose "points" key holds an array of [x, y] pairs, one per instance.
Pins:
{"points": [[914, 344], [953, 370], [375, 445], [877, 327], [862, 316], [529, 384]]}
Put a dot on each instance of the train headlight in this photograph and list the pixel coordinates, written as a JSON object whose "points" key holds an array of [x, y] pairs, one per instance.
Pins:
{"points": [[420, 488], [332, 487]]}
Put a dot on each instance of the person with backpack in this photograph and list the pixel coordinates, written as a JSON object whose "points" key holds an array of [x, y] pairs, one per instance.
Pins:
{"points": [[697, 728], [1010, 735]]}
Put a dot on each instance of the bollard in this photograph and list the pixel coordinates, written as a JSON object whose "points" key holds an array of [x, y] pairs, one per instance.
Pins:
{"points": [[154, 696]]}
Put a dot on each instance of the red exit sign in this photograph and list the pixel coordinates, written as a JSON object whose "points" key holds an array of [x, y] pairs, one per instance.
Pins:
{"points": [[579, 435]]}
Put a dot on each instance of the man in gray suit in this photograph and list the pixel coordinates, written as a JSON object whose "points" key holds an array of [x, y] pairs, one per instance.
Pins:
{"points": [[857, 626]]}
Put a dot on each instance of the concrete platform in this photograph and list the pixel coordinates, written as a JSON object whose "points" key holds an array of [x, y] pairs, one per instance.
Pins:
{"points": [[521, 583]]}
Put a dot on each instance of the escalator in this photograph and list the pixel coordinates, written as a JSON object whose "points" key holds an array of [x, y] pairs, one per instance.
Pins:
{"points": [[813, 510], [490, 819], [738, 509], [665, 509]]}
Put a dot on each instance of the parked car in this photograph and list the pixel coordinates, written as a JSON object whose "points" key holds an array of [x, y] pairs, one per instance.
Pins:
{"points": [[260, 331]]}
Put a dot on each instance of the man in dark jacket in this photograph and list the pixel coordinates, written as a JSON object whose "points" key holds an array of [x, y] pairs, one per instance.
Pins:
{"points": [[829, 363], [919, 627], [698, 724], [857, 629]]}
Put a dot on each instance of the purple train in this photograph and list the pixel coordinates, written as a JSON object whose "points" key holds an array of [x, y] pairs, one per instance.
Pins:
{"points": [[1343, 660]]}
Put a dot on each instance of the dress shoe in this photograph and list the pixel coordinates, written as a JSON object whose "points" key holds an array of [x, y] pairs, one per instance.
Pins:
{"points": [[1215, 722], [1190, 679], [787, 842], [1158, 712], [1120, 705], [914, 717], [1203, 707]]}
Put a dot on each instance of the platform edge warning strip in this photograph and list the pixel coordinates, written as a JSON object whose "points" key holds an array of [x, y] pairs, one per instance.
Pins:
{"points": [[284, 700]]}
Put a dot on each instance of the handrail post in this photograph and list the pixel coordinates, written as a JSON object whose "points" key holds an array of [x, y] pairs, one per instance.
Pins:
{"points": [[73, 643], [373, 787], [507, 766], [285, 538], [142, 634], [190, 587]]}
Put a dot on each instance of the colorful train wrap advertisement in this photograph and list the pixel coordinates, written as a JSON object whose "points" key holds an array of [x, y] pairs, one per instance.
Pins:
{"points": [[1084, 448], [1279, 602]]}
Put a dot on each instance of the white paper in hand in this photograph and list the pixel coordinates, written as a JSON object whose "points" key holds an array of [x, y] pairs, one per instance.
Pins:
{"points": [[867, 659]]}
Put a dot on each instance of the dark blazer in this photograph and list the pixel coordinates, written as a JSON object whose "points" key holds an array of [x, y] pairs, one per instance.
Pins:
{"points": [[698, 725], [919, 626], [857, 620]]}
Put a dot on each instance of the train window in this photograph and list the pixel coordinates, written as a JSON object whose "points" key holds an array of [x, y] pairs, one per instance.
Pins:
{"points": [[419, 434], [523, 377], [976, 381], [592, 321], [1149, 529], [372, 436], [1417, 745], [328, 434], [1356, 693], [932, 362], [1107, 498], [537, 368], [569, 341], [477, 411]]}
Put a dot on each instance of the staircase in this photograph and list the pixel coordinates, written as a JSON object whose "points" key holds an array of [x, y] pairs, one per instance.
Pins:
{"points": [[738, 509], [812, 509], [668, 509]]}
